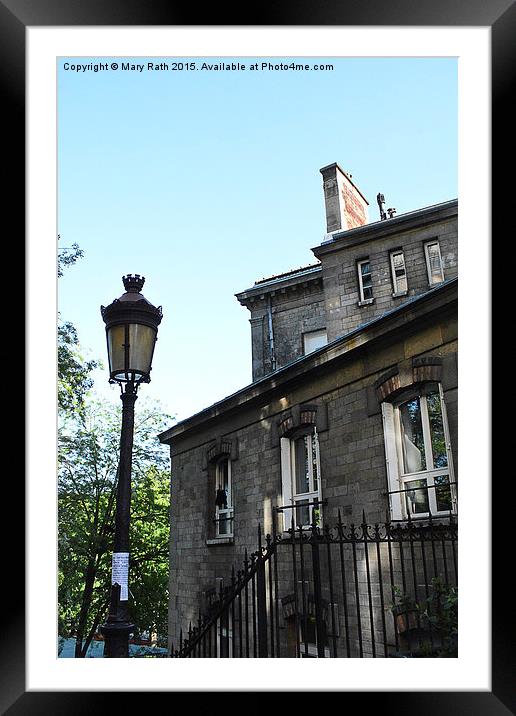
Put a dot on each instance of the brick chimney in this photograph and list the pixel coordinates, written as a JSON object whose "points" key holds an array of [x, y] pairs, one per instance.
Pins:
{"points": [[346, 206]]}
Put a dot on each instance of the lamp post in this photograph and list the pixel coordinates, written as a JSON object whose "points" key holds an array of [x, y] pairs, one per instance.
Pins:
{"points": [[131, 331]]}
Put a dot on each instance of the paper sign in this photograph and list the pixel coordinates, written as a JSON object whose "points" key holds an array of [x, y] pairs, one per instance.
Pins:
{"points": [[120, 573]]}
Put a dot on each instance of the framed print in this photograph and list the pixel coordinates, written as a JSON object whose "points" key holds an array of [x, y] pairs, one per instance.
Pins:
{"points": [[92, 76]]}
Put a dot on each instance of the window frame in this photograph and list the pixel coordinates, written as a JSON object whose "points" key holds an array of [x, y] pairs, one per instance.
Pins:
{"points": [[319, 331], [362, 298], [290, 496], [397, 477], [427, 246], [396, 290], [224, 512]]}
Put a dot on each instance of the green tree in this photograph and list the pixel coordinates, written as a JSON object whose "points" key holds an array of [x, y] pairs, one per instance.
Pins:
{"points": [[150, 532], [73, 373], [73, 370], [67, 256], [88, 463]]}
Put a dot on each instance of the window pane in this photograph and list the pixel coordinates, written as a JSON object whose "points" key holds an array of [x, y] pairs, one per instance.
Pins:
{"points": [[443, 493], [224, 523], [440, 456], [398, 261], [223, 473], [417, 496], [412, 436], [302, 513], [400, 277], [308, 630], [401, 283], [366, 280], [224, 511], [314, 340], [434, 263], [302, 465]]}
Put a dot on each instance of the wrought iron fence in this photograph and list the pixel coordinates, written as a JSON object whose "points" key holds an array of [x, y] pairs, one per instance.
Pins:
{"points": [[343, 591]]}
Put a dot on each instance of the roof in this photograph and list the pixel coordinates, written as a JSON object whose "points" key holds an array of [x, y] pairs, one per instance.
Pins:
{"points": [[289, 278], [293, 272], [428, 301], [380, 229]]}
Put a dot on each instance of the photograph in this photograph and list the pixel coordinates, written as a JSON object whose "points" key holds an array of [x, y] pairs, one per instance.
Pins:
{"points": [[287, 484], [244, 423]]}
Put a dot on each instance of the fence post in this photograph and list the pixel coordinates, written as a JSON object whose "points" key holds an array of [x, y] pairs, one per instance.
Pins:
{"points": [[319, 622], [261, 600]]}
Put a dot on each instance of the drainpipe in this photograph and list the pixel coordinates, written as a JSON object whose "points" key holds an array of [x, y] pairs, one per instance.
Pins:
{"points": [[271, 334]]}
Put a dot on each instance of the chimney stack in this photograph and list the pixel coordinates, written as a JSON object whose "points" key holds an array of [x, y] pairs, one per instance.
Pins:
{"points": [[346, 206]]}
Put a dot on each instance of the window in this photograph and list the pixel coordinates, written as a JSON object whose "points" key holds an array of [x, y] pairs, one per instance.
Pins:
{"points": [[434, 264], [398, 271], [308, 639], [314, 340], [225, 636], [223, 499], [300, 467], [365, 282], [418, 455]]}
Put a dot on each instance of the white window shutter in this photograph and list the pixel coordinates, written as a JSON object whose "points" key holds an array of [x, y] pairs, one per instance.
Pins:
{"points": [[391, 459], [286, 482]]}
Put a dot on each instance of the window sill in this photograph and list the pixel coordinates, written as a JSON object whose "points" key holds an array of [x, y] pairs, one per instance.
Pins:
{"points": [[220, 540], [366, 302], [425, 521], [307, 530], [399, 294]]}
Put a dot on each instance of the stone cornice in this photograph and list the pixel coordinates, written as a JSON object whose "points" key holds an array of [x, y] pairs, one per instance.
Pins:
{"points": [[292, 282]]}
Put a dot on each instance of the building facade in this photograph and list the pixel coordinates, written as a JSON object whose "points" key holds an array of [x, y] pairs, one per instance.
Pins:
{"points": [[351, 417]]}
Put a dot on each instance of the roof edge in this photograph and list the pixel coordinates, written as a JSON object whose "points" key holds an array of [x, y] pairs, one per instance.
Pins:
{"points": [[402, 222]]}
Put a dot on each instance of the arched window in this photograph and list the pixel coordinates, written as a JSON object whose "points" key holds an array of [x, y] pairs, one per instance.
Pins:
{"points": [[418, 454]]}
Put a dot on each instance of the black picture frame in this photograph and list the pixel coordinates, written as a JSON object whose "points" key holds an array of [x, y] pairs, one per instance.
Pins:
{"points": [[15, 17]]}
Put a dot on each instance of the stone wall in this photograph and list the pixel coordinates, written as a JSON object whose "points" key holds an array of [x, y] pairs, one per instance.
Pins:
{"points": [[295, 311], [340, 276]]}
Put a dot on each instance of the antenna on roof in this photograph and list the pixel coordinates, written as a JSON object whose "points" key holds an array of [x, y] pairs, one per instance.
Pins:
{"points": [[381, 201], [383, 214]]}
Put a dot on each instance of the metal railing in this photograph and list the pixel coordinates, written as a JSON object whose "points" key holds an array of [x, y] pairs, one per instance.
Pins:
{"points": [[343, 591]]}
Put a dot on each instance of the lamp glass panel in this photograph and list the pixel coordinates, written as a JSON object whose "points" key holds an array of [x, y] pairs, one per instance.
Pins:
{"points": [[115, 337], [141, 347]]}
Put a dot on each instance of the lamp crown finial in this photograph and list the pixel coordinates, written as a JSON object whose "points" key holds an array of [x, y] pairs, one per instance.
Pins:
{"points": [[133, 284]]}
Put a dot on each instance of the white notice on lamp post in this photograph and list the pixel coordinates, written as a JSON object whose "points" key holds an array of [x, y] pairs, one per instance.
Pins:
{"points": [[120, 573]]}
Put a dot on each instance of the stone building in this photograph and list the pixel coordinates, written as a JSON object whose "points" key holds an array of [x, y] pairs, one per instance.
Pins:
{"points": [[351, 415]]}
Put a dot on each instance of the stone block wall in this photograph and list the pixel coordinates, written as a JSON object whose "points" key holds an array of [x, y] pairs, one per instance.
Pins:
{"points": [[340, 276], [296, 310]]}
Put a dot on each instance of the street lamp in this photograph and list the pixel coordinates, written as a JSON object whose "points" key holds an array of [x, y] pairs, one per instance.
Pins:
{"points": [[131, 331]]}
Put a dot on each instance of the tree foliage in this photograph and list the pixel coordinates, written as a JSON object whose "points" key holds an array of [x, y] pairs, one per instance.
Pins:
{"points": [[88, 464], [73, 370], [67, 256]]}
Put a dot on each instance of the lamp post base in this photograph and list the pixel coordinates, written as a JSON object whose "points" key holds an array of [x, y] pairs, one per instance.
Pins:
{"points": [[116, 635]]}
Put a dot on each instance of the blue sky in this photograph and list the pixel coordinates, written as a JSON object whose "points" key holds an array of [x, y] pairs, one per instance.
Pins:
{"points": [[204, 182]]}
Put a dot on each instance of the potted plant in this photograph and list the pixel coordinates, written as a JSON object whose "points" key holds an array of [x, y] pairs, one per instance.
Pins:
{"points": [[405, 611]]}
